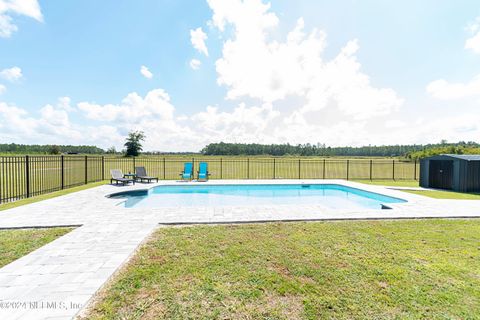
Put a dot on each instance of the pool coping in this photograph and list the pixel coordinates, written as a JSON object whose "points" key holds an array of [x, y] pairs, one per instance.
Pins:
{"points": [[117, 195], [173, 183]]}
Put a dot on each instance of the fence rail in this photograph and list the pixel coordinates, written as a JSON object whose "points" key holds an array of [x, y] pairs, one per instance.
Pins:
{"points": [[27, 176]]}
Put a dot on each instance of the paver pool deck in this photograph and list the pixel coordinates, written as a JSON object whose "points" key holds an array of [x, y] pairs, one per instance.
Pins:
{"points": [[58, 280]]}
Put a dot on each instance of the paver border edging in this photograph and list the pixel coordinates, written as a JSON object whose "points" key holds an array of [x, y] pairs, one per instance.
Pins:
{"points": [[172, 224], [88, 307], [43, 227]]}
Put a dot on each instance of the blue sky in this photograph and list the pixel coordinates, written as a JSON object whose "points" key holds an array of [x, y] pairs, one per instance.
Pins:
{"points": [[353, 72]]}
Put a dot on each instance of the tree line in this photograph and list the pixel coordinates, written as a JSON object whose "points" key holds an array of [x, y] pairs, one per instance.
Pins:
{"points": [[134, 140], [48, 149], [407, 151], [453, 149]]}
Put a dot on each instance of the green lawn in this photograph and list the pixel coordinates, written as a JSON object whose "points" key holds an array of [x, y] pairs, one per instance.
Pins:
{"points": [[415, 269], [437, 194], [49, 195], [392, 183], [445, 194], [19, 242]]}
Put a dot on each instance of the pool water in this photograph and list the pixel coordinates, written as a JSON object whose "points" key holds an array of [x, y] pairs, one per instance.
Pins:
{"points": [[329, 195]]}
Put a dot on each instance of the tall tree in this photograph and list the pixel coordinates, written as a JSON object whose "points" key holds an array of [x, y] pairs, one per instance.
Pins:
{"points": [[111, 150], [54, 149], [133, 143]]}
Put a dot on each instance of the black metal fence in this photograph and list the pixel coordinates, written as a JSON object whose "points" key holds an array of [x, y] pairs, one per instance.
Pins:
{"points": [[27, 176]]}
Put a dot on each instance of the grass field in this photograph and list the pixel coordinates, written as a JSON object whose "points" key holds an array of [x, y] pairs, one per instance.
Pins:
{"points": [[49, 173], [421, 269], [445, 194], [19, 242], [392, 183], [437, 194], [46, 196]]}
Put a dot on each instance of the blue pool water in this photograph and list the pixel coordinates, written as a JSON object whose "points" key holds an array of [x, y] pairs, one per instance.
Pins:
{"points": [[329, 195]]}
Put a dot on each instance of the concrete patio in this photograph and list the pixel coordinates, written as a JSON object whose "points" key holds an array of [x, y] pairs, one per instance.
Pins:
{"points": [[58, 280]]}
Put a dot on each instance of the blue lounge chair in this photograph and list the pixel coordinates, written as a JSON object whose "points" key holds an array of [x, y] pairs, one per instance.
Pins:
{"points": [[203, 174], [187, 173]]}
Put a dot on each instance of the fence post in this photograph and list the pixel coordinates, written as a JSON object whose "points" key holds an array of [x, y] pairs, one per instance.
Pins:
{"points": [[248, 168], [62, 167], [27, 175], [348, 167], [221, 168], [324, 169], [371, 167], [164, 170], [415, 170], [103, 168], [393, 169], [193, 167], [86, 169], [2, 180], [133, 158], [299, 169], [273, 168]]}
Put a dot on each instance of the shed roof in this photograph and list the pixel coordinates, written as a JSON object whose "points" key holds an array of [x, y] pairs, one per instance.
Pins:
{"points": [[467, 157]]}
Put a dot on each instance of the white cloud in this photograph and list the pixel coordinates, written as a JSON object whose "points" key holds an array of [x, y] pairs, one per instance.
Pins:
{"points": [[246, 123], [29, 8], [473, 43], [11, 74], [153, 114], [195, 64], [52, 126], [444, 90], [145, 72], [198, 37], [2, 89], [133, 109], [64, 103], [455, 128], [270, 70], [395, 123]]}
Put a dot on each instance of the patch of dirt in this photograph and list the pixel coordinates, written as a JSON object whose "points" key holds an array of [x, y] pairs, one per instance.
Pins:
{"points": [[155, 311], [286, 307]]}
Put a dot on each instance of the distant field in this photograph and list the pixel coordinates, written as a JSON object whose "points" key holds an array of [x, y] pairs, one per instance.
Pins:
{"points": [[51, 173], [201, 156]]}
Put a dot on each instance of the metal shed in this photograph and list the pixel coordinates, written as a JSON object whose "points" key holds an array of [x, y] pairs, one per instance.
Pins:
{"points": [[451, 171]]}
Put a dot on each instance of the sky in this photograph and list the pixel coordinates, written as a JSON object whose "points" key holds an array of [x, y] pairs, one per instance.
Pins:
{"points": [[189, 73]]}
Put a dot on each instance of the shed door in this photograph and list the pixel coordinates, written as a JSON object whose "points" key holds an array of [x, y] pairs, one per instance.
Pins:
{"points": [[441, 174]]}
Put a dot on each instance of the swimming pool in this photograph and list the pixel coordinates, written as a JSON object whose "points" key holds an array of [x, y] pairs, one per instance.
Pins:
{"points": [[333, 196]]}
